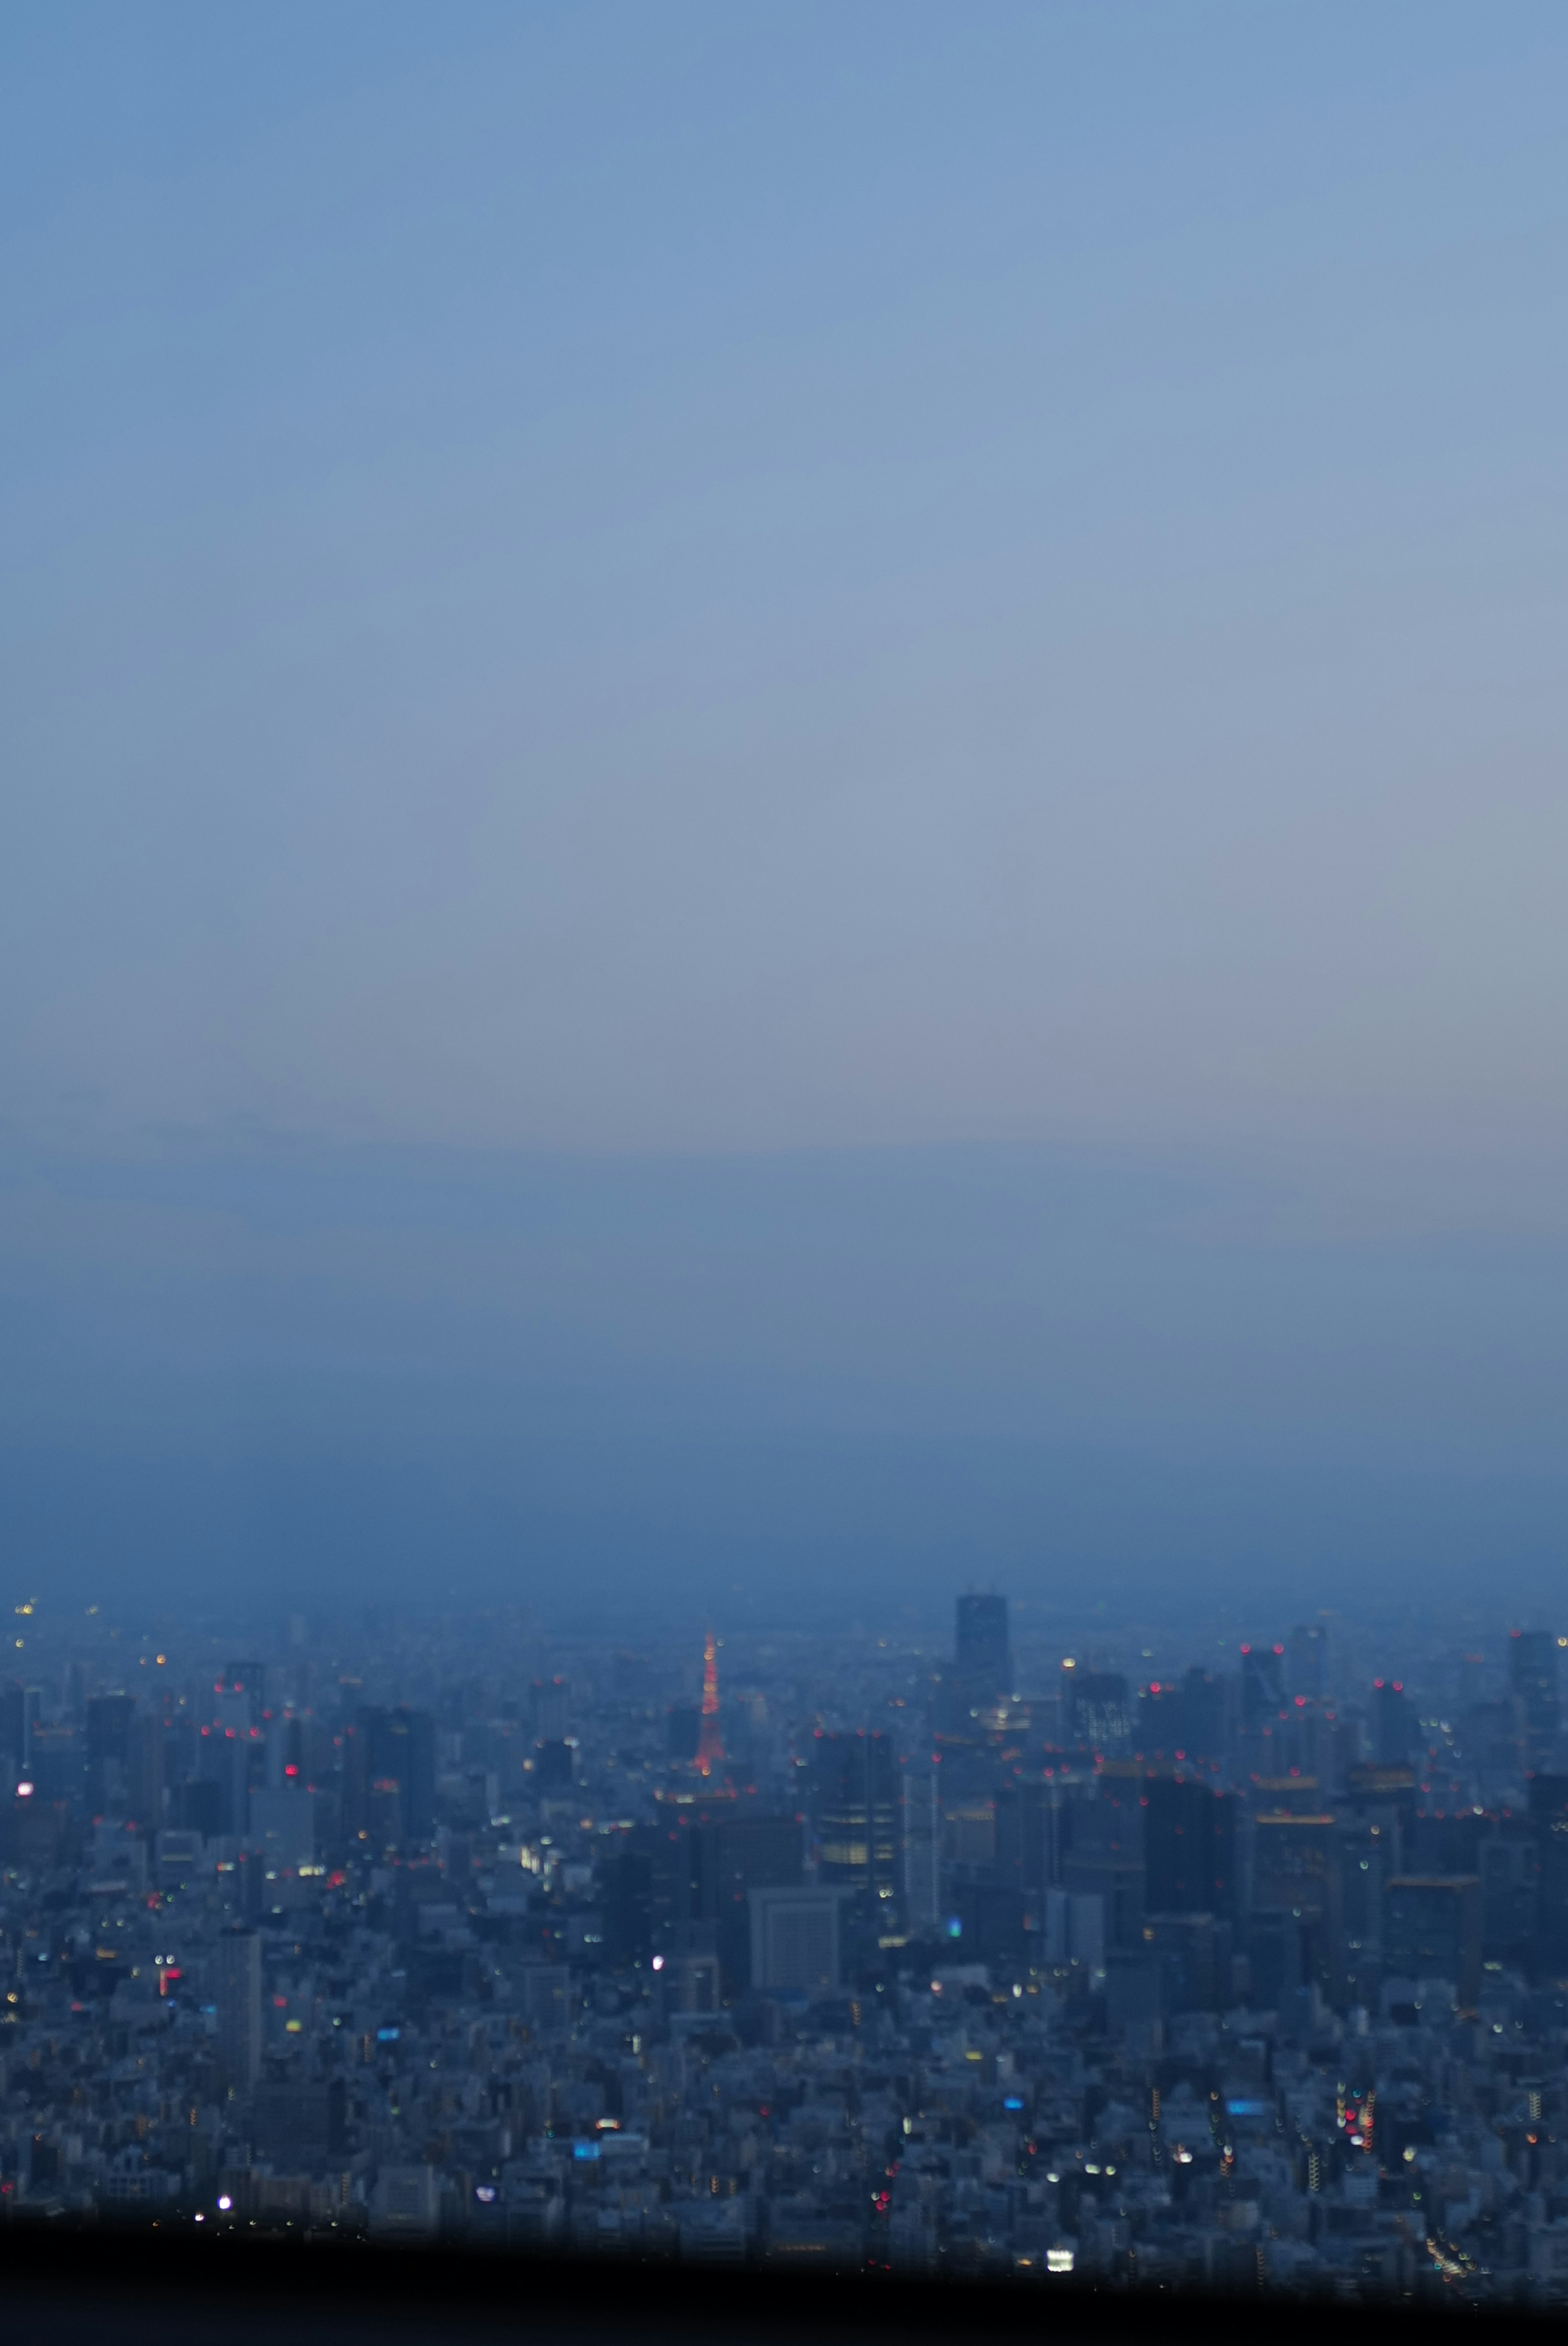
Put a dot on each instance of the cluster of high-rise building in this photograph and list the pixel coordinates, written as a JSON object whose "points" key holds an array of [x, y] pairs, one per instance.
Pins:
{"points": [[1252, 1972]]}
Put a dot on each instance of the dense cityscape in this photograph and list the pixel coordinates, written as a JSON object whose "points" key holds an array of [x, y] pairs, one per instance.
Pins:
{"points": [[836, 1951]]}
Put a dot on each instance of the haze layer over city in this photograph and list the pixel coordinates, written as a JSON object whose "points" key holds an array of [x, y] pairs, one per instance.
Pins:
{"points": [[784, 799]]}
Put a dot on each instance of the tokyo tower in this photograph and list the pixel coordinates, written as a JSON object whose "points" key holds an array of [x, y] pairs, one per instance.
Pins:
{"points": [[710, 1744]]}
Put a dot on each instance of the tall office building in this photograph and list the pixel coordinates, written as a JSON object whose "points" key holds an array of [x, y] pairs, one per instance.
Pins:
{"points": [[731, 1856], [1431, 1930], [1532, 1680], [1262, 1685], [247, 1683], [922, 1849], [548, 1702], [982, 1652], [1549, 1827], [627, 1899], [238, 1997], [19, 1709], [1295, 1881], [1190, 1849], [146, 1771], [1206, 1713], [681, 1886], [855, 1785], [1102, 1854], [1395, 1727], [110, 1718], [389, 1774], [1028, 1837], [1307, 1662]]}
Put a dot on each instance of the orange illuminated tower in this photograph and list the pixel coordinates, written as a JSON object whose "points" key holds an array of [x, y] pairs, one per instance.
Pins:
{"points": [[710, 1745]]}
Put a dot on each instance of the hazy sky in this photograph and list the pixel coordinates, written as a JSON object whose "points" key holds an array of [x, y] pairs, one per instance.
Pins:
{"points": [[795, 739]]}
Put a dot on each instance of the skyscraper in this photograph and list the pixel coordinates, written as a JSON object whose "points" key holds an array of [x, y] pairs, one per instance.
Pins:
{"points": [[19, 1709], [1306, 1660], [1533, 1678], [1431, 1930], [983, 1653], [239, 1998], [1395, 1727], [389, 1773], [1190, 1849], [923, 1848], [1262, 1684], [109, 1721], [855, 1785]]}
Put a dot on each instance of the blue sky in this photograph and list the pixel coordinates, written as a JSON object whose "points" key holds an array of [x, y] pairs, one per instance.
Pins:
{"points": [[928, 641]]}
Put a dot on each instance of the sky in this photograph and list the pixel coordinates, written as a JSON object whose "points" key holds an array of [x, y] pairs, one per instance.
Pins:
{"points": [[785, 801]]}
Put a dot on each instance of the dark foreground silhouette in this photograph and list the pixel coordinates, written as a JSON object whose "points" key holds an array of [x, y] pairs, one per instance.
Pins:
{"points": [[69, 2286]]}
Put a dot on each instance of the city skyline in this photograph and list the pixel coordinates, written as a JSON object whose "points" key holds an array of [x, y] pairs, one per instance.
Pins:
{"points": [[1234, 1968]]}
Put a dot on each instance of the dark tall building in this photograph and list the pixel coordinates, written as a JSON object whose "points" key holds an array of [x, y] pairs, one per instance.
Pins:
{"points": [[992, 1922], [19, 1708], [249, 1679], [682, 1886], [1189, 1849], [1029, 1839], [1102, 1854], [1262, 1684], [1431, 1930], [146, 1770], [1305, 1661], [1532, 1680], [389, 1774], [734, 1856], [412, 1747], [1549, 1822], [1162, 1719], [628, 1906], [1395, 1728], [199, 1807], [855, 1788], [1296, 1879], [983, 1653], [1205, 1713], [110, 1718]]}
